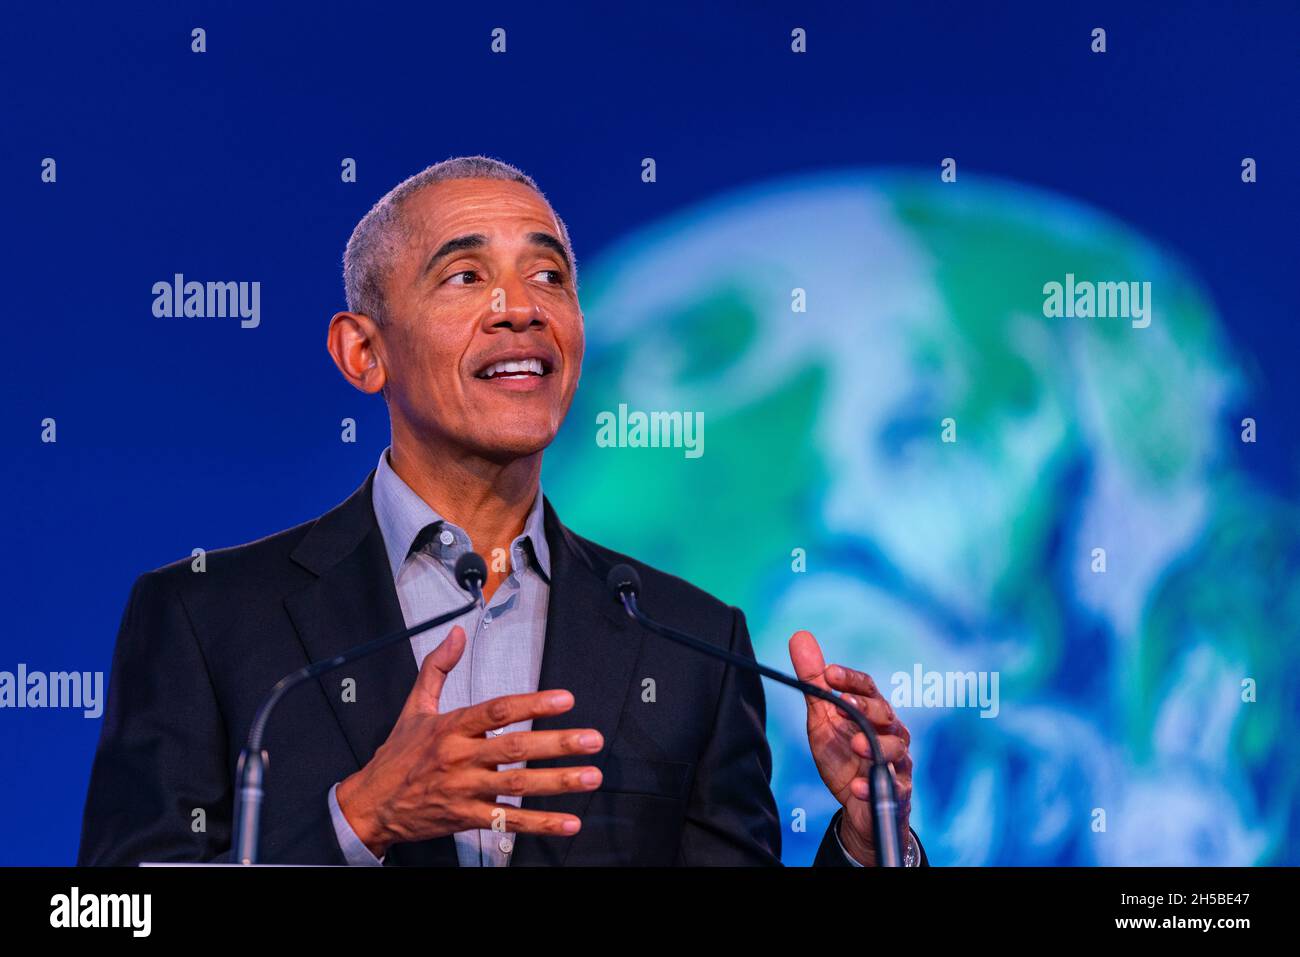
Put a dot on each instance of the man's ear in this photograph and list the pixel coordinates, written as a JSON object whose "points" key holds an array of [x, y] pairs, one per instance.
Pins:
{"points": [[353, 342]]}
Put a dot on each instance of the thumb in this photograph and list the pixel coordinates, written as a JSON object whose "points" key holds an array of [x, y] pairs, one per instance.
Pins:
{"points": [[806, 656], [433, 672], [810, 666]]}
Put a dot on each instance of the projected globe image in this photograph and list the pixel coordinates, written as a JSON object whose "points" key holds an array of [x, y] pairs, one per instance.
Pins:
{"points": [[1088, 533]]}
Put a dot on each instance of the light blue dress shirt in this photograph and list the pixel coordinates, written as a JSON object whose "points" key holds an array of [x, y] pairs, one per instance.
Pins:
{"points": [[503, 653]]}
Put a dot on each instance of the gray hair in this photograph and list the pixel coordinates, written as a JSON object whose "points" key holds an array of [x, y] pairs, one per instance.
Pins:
{"points": [[378, 237]]}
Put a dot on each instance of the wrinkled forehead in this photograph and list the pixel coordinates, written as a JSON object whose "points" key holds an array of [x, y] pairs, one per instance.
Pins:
{"points": [[495, 208]]}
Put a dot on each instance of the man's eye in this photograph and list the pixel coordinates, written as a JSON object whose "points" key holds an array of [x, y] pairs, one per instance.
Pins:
{"points": [[557, 273], [463, 272]]}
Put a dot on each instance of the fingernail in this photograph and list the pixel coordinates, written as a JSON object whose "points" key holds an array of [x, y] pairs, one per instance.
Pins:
{"points": [[835, 671], [559, 700], [590, 777], [571, 827], [589, 740]]}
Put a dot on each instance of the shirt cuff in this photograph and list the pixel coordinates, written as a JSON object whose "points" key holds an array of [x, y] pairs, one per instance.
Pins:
{"points": [[910, 857], [354, 849]]}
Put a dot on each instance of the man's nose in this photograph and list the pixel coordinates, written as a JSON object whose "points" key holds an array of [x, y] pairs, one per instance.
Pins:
{"points": [[514, 308]]}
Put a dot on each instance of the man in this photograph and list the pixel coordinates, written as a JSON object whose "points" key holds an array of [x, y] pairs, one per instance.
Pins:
{"points": [[519, 736]]}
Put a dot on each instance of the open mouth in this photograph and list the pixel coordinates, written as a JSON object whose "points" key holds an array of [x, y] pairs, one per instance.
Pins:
{"points": [[515, 370]]}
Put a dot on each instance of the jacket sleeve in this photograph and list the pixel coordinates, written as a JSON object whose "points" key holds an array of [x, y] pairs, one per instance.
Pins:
{"points": [[161, 783], [731, 815], [831, 854]]}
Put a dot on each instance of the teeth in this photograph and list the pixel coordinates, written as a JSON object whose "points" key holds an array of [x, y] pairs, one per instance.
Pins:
{"points": [[524, 366]]}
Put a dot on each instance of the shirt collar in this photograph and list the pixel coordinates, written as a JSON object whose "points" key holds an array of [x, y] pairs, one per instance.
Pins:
{"points": [[402, 515]]}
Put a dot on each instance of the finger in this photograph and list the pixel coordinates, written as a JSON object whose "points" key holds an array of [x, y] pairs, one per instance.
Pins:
{"points": [[806, 656], [499, 712], [533, 745], [856, 682], [860, 788], [434, 669], [876, 710], [893, 748], [809, 665], [882, 717], [890, 724], [504, 817], [519, 782]]}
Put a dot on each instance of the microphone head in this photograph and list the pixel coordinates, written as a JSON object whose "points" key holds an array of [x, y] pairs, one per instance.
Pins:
{"points": [[471, 572], [623, 580]]}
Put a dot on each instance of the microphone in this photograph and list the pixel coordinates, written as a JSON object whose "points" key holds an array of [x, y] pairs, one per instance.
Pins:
{"points": [[624, 584], [471, 574]]}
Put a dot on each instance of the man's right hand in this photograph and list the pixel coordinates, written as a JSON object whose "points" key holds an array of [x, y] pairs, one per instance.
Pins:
{"points": [[437, 773]]}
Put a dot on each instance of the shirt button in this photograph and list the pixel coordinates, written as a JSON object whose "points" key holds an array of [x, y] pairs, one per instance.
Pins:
{"points": [[506, 844], [446, 537]]}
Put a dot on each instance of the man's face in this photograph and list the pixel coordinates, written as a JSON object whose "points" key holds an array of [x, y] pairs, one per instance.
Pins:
{"points": [[483, 342]]}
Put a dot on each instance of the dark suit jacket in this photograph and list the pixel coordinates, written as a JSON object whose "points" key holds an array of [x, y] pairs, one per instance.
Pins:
{"points": [[686, 777]]}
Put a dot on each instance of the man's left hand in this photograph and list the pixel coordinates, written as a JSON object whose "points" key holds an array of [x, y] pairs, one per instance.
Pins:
{"points": [[841, 750]]}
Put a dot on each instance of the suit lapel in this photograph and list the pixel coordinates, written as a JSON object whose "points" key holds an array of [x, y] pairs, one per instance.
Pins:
{"points": [[590, 651], [353, 600]]}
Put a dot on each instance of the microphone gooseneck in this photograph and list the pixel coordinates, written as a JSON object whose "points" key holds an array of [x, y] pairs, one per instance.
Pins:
{"points": [[250, 773], [624, 584]]}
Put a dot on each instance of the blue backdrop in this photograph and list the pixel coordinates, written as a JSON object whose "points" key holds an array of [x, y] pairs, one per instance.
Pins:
{"points": [[1161, 692]]}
